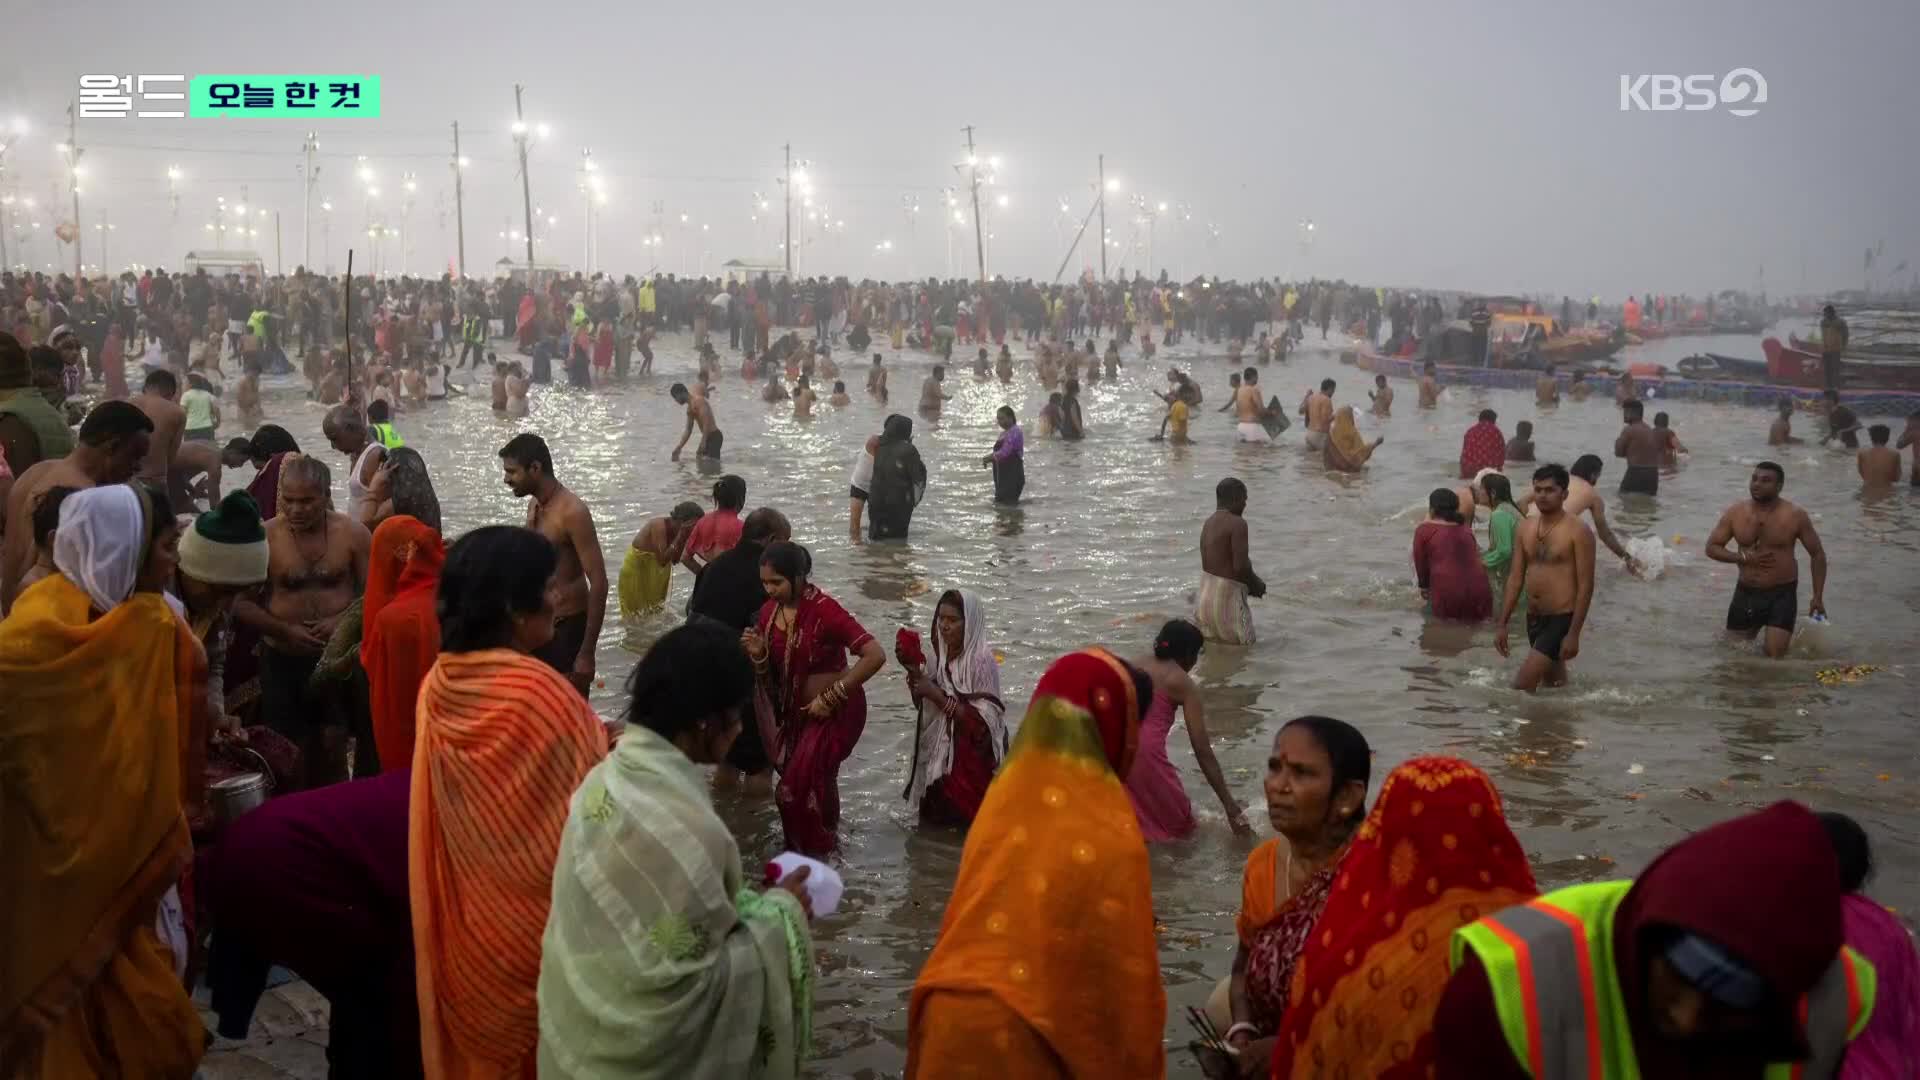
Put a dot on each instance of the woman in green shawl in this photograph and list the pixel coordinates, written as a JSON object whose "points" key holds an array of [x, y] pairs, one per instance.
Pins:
{"points": [[1501, 526], [659, 960], [899, 481]]}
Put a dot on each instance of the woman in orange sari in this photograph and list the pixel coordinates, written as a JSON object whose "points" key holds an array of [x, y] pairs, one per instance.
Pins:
{"points": [[1435, 855], [1316, 789], [402, 631], [105, 699], [1047, 964], [503, 742]]}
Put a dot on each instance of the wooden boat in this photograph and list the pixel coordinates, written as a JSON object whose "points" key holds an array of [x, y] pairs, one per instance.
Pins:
{"points": [[1796, 364], [1716, 366]]}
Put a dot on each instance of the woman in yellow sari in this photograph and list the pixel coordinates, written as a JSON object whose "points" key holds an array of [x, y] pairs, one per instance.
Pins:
{"points": [[1347, 450], [1047, 964], [105, 692]]}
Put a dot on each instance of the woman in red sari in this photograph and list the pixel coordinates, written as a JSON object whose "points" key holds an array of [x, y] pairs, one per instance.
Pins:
{"points": [[810, 705], [1435, 855], [526, 319], [401, 638]]}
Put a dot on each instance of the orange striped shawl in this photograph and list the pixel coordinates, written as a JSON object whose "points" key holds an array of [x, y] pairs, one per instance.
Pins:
{"points": [[503, 741]]}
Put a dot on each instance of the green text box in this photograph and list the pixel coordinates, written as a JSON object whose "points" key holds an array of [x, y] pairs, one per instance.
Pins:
{"points": [[330, 97]]}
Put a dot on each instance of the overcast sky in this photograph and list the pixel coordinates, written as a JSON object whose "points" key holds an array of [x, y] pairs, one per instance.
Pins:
{"points": [[1446, 145]]}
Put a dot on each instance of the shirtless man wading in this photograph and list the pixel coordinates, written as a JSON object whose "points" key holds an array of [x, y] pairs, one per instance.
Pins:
{"points": [[1766, 527], [1250, 409], [316, 565], [1226, 570], [698, 413], [159, 399], [1553, 561], [1643, 447], [580, 580], [1318, 409]]}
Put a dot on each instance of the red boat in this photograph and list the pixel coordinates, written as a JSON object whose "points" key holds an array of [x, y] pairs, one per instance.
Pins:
{"points": [[1795, 365]]}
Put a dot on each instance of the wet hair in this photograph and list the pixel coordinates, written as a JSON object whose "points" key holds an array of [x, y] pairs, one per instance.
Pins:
{"points": [[1557, 474], [1498, 488], [1587, 467], [692, 672], [1346, 749], [1633, 410], [939, 371], [1851, 847], [378, 412], [839, 387], [876, 359], [1073, 387], [1444, 503], [1233, 378], [271, 439], [1488, 416], [730, 493], [527, 450], [46, 514], [686, 511], [1229, 490], [763, 525], [1524, 429], [162, 382], [1785, 406], [1251, 375], [1055, 398], [111, 421], [1879, 433], [1779, 473], [410, 486], [1006, 410], [1179, 641], [306, 469], [491, 574], [678, 391], [1326, 386], [1380, 380], [789, 560]]}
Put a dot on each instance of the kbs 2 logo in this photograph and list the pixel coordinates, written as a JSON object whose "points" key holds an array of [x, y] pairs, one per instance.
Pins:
{"points": [[1741, 90]]}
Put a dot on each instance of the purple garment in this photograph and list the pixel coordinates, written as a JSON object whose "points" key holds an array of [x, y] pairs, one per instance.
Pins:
{"points": [[316, 882], [1010, 444], [1884, 1051], [1153, 785]]}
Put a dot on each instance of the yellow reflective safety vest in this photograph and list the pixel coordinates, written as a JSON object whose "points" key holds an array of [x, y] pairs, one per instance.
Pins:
{"points": [[1550, 965]]}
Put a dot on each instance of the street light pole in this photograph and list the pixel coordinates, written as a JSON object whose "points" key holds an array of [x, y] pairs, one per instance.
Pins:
{"points": [[73, 181], [1103, 217], [788, 246], [979, 238], [526, 184], [459, 206], [308, 176]]}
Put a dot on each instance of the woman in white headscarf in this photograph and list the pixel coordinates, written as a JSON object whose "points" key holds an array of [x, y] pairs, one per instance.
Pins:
{"points": [[104, 543], [962, 733]]}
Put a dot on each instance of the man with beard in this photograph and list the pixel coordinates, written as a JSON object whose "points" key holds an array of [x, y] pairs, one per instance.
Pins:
{"points": [[580, 579], [113, 441], [1553, 561], [729, 593], [316, 566], [1766, 528]]}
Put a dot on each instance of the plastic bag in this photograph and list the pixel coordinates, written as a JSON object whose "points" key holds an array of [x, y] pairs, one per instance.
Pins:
{"points": [[824, 886], [1812, 637]]}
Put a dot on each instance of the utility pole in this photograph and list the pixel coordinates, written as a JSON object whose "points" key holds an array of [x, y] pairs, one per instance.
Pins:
{"points": [[1103, 217], [73, 182], [526, 185], [279, 267], [307, 173], [788, 247], [979, 238], [459, 206]]}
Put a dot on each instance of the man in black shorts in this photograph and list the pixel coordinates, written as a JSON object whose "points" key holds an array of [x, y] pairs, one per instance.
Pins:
{"points": [[701, 414], [1553, 561], [1766, 527], [1643, 447]]}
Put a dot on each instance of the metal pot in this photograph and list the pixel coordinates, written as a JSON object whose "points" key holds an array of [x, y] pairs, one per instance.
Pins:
{"points": [[236, 795]]}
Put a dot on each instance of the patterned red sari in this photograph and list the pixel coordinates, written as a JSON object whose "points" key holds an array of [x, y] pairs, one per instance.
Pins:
{"points": [[806, 751], [1434, 855]]}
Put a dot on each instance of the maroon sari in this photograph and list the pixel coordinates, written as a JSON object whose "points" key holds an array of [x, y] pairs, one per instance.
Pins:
{"points": [[808, 752]]}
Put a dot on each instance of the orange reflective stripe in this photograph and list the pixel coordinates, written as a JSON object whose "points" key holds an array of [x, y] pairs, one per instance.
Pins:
{"points": [[1529, 1000], [1596, 1057]]}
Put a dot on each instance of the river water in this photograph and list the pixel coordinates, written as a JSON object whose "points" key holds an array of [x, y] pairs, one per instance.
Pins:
{"points": [[1666, 728]]}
